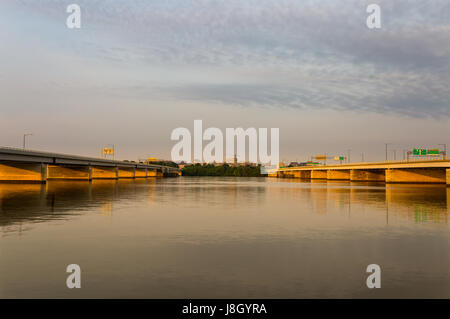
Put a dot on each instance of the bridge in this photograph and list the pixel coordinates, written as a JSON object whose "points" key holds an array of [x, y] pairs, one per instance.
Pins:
{"points": [[17, 165], [430, 171]]}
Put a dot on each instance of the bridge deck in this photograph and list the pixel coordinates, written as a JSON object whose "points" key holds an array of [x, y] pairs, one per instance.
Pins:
{"points": [[430, 171], [27, 156], [375, 165]]}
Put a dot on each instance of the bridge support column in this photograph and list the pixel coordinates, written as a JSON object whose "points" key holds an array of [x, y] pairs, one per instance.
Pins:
{"points": [[416, 175], [68, 172], [282, 174], [140, 173], [448, 178], [338, 174], [375, 175], [171, 174], [154, 173], [295, 174], [126, 172], [299, 174], [304, 174], [104, 172], [26, 173], [319, 174]]}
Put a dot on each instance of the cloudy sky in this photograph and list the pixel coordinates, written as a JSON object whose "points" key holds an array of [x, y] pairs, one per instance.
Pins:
{"points": [[138, 69]]}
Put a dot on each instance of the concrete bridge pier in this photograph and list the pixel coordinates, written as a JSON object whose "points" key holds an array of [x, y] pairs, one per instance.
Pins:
{"points": [[448, 178], [416, 175], [154, 173], [171, 174], [295, 174], [375, 175], [104, 172], [302, 174], [68, 172], [140, 173], [338, 174], [126, 172], [319, 174], [305, 174], [20, 172], [285, 174]]}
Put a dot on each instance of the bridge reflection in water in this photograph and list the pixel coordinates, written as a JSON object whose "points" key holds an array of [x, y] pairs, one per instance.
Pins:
{"points": [[418, 202], [221, 237], [63, 199]]}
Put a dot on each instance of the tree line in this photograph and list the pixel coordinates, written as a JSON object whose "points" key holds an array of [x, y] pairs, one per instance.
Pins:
{"points": [[222, 170]]}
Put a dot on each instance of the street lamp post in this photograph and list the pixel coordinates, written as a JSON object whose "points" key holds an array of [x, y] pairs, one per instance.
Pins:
{"points": [[348, 156], [24, 138], [445, 150], [386, 146]]}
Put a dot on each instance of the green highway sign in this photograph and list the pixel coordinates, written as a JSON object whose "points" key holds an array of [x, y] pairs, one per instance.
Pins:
{"points": [[424, 152]]}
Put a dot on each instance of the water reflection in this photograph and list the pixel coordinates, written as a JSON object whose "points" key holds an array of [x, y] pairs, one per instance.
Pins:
{"points": [[416, 202], [61, 199], [224, 237]]}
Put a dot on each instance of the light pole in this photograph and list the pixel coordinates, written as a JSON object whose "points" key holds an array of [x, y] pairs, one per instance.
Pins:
{"points": [[348, 156], [24, 138], [386, 146], [445, 150]]}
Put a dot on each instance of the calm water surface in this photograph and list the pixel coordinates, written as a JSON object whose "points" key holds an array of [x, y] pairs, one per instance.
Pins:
{"points": [[219, 237]]}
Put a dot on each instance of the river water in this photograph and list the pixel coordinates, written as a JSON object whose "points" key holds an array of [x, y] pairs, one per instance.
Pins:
{"points": [[220, 237]]}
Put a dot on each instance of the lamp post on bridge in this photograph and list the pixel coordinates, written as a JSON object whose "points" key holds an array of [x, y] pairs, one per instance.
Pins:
{"points": [[386, 146], [405, 153], [24, 138], [445, 150]]}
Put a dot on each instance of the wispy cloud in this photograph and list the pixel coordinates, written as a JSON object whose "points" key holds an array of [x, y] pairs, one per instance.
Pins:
{"points": [[283, 53]]}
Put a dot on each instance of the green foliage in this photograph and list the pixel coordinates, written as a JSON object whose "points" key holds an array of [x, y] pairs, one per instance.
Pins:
{"points": [[221, 170]]}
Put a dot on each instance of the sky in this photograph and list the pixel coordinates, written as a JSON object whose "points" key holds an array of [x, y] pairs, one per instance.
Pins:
{"points": [[137, 69]]}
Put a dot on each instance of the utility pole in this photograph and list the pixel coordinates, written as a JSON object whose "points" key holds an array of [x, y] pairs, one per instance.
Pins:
{"points": [[386, 146], [445, 150], [24, 138]]}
